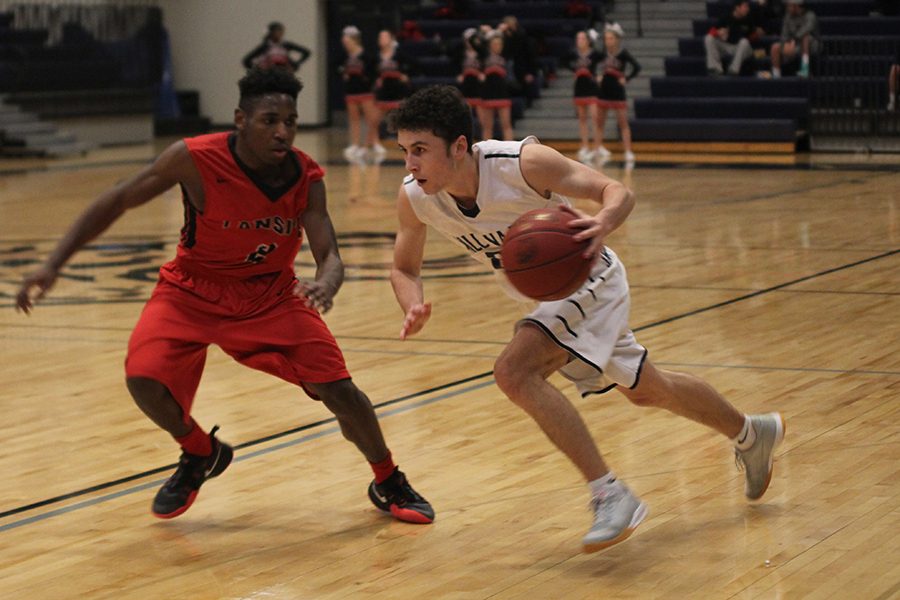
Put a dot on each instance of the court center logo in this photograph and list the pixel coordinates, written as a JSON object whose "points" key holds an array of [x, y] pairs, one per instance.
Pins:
{"points": [[117, 269]]}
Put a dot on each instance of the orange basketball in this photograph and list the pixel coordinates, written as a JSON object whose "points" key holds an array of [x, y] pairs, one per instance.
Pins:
{"points": [[540, 257]]}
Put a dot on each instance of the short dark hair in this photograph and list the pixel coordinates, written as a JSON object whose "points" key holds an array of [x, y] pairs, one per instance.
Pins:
{"points": [[440, 109], [258, 82]]}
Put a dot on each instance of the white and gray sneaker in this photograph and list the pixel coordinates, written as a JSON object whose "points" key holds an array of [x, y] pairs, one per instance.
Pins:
{"points": [[617, 513], [756, 462]]}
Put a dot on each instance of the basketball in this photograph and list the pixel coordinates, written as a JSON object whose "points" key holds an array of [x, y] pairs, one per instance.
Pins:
{"points": [[541, 258]]}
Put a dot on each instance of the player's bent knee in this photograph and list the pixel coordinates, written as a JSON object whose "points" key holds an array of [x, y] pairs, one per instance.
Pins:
{"points": [[339, 395], [146, 390], [510, 378]]}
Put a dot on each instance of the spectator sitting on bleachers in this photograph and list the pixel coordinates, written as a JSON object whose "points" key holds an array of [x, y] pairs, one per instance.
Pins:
{"points": [[799, 32], [732, 36], [766, 12], [410, 31]]}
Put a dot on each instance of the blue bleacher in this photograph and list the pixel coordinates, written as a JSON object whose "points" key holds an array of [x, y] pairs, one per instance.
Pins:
{"points": [[822, 8], [716, 87], [723, 108], [714, 130], [849, 73]]}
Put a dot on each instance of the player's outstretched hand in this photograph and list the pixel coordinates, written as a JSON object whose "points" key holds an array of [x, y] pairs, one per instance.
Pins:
{"points": [[42, 279], [416, 317], [318, 294], [591, 227]]}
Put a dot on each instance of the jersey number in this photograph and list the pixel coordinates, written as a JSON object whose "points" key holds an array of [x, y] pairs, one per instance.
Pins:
{"points": [[259, 255], [495, 259]]}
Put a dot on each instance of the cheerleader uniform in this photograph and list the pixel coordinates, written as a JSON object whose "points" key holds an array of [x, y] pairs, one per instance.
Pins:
{"points": [[471, 78], [495, 89], [358, 76], [611, 93], [585, 68], [390, 89]]}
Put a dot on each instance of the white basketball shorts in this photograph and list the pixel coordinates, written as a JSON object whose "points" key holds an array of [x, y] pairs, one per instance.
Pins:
{"points": [[592, 325]]}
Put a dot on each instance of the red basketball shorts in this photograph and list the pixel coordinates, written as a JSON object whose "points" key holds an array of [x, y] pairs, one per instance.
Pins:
{"points": [[256, 321]]}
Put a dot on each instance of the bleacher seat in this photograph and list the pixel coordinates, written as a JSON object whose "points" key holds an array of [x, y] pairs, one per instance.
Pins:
{"points": [[723, 108], [715, 87], [863, 26], [437, 66], [714, 130]]}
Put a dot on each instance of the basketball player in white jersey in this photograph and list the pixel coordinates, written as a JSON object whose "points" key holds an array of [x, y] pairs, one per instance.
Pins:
{"points": [[472, 194]]}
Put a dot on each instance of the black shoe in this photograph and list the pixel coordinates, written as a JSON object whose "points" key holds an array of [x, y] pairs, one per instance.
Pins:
{"points": [[394, 495], [179, 492]]}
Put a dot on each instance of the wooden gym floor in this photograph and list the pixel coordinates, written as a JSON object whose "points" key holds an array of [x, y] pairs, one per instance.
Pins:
{"points": [[780, 285]]}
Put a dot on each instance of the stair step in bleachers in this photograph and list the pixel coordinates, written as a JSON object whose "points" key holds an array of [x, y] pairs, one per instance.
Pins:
{"points": [[714, 130], [728, 86], [723, 108], [15, 130]]}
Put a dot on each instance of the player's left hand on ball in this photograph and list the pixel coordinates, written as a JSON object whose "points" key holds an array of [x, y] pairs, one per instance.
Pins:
{"points": [[318, 294], [592, 228]]}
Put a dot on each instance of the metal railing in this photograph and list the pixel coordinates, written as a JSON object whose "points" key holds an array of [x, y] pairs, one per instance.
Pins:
{"points": [[849, 87]]}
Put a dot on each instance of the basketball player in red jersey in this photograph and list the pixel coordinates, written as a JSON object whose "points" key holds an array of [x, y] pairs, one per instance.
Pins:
{"points": [[472, 194], [248, 198]]}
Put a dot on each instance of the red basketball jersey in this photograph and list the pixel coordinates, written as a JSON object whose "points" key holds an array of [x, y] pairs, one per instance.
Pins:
{"points": [[246, 228]]}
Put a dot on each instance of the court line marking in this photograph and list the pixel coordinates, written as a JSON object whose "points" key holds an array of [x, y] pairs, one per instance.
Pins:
{"points": [[248, 444], [281, 446], [451, 384], [767, 290]]}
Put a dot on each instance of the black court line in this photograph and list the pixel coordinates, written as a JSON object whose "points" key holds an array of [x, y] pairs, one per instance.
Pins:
{"points": [[256, 442], [106, 485], [766, 290]]}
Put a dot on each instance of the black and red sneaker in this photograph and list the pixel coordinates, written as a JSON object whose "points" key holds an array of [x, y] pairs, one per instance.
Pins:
{"points": [[180, 490], [394, 495]]}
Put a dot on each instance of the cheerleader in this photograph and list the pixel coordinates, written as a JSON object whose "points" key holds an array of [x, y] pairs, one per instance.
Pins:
{"points": [[611, 93], [471, 76], [358, 73], [495, 98], [392, 83], [584, 64]]}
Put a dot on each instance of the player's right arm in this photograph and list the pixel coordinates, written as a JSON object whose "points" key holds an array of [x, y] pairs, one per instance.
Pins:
{"points": [[167, 170], [409, 250]]}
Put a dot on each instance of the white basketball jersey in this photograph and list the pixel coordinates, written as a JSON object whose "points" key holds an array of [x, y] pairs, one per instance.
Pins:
{"points": [[503, 195]]}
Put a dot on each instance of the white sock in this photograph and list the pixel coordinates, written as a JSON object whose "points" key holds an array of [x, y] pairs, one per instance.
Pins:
{"points": [[745, 439], [893, 97], [776, 72], [596, 486], [804, 60]]}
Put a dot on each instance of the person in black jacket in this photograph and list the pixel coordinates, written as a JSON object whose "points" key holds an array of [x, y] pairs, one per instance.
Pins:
{"points": [[731, 35], [275, 51]]}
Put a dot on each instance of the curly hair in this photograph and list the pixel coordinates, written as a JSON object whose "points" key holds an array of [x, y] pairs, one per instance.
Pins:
{"points": [[259, 82], [440, 109]]}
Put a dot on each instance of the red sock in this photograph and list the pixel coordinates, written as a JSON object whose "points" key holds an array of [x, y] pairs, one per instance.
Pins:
{"points": [[383, 469], [196, 441]]}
